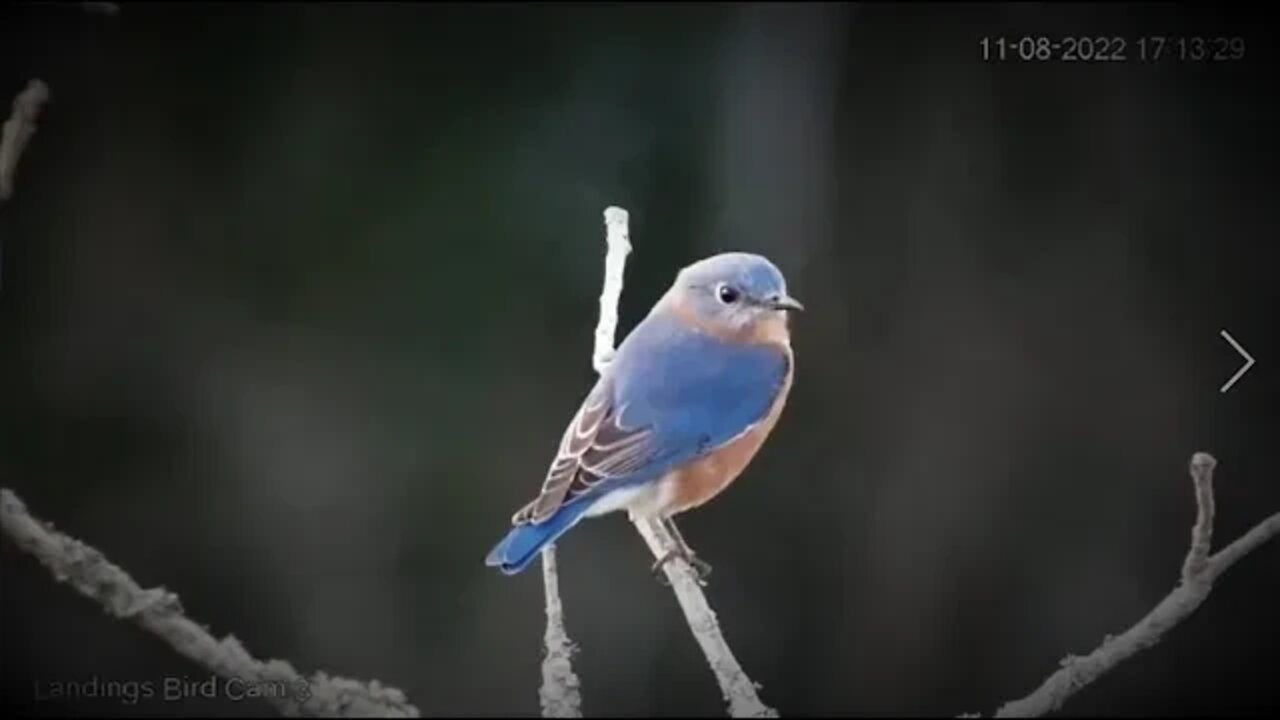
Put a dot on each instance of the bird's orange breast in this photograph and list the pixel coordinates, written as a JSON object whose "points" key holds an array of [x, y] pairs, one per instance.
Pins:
{"points": [[708, 476]]}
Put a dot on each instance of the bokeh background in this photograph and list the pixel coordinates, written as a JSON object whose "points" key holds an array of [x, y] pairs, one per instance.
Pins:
{"points": [[298, 298]]}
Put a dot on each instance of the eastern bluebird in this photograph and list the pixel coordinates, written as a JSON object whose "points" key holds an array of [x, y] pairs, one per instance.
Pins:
{"points": [[688, 399]]}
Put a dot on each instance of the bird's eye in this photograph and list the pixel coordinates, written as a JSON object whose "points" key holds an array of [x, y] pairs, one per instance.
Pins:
{"points": [[727, 294]]}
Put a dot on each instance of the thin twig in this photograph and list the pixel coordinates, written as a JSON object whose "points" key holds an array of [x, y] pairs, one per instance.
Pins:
{"points": [[560, 693], [14, 137], [159, 612], [1202, 465], [738, 689], [618, 243], [18, 130], [1199, 571]]}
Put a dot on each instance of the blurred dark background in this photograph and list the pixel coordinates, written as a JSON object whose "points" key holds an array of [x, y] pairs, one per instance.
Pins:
{"points": [[297, 300]]}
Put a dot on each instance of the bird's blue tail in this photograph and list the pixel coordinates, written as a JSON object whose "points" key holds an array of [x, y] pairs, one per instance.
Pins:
{"points": [[514, 552]]}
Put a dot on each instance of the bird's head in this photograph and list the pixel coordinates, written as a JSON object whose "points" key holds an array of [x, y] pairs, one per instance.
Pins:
{"points": [[734, 294]]}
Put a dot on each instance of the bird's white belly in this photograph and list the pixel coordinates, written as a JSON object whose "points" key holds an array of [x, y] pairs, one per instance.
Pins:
{"points": [[644, 500]]}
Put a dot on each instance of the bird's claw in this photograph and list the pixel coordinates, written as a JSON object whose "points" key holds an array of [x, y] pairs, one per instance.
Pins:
{"points": [[701, 568]]}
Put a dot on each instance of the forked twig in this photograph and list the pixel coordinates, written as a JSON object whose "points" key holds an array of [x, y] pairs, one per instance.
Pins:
{"points": [[1199, 571]]}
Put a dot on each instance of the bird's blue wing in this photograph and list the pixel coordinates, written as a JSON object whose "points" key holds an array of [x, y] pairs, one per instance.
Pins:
{"points": [[671, 394], [595, 447]]}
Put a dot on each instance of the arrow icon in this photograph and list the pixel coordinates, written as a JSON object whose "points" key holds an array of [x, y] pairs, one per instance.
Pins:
{"points": [[1243, 369]]}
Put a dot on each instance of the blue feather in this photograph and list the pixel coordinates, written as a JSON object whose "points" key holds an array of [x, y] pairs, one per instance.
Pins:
{"points": [[522, 544], [696, 390]]}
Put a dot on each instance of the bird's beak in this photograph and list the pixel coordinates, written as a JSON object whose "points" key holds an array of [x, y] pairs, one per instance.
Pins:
{"points": [[786, 302]]}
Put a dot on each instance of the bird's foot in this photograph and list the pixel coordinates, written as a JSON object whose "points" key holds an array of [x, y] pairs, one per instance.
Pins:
{"points": [[701, 568]]}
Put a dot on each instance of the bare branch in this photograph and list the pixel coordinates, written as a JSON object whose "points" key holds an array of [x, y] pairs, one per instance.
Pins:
{"points": [[1202, 465], [618, 240], [18, 130], [159, 612], [559, 693], [1199, 571], [738, 689], [1247, 543]]}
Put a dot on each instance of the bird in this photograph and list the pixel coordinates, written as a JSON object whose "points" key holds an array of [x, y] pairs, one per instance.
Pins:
{"points": [[691, 395]]}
